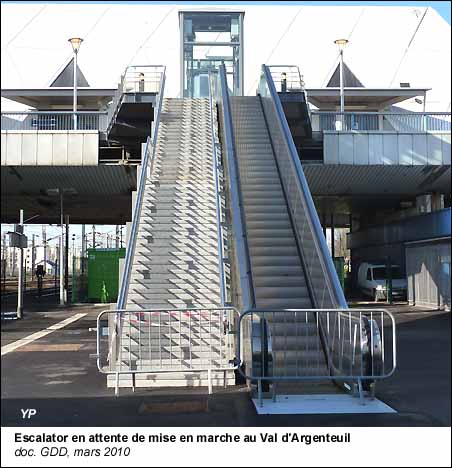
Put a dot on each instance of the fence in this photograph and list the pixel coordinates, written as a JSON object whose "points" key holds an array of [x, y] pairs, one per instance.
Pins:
{"points": [[136, 79], [36, 120], [286, 77], [153, 341], [381, 121]]}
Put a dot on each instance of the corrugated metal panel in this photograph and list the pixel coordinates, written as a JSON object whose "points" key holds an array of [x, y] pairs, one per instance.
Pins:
{"points": [[92, 180], [374, 180], [428, 273], [47, 148]]}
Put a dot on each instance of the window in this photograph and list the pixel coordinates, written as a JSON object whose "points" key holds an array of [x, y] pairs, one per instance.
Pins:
{"points": [[379, 273]]}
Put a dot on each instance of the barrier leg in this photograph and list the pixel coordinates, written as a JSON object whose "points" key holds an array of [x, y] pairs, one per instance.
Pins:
{"points": [[259, 393], [209, 381]]}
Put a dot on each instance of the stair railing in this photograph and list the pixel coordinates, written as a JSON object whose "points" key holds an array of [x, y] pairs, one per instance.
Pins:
{"points": [[216, 166]]}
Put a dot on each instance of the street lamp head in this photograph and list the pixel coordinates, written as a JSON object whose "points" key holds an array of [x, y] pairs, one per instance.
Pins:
{"points": [[341, 43], [76, 43]]}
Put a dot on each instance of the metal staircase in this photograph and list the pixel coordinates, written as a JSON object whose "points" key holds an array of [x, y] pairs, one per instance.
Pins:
{"points": [[176, 266]]}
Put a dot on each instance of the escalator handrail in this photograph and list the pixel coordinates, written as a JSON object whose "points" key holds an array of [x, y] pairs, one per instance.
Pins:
{"points": [[236, 201], [319, 238], [218, 205]]}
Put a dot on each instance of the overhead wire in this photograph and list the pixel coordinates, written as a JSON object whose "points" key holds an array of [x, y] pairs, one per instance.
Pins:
{"points": [[331, 70], [276, 46], [408, 46], [23, 27], [69, 56], [150, 35]]}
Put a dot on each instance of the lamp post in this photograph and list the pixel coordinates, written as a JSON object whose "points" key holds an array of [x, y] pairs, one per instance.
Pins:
{"points": [[75, 43], [341, 43]]}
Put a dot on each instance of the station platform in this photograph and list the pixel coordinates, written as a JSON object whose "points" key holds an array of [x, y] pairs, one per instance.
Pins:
{"points": [[50, 369]]}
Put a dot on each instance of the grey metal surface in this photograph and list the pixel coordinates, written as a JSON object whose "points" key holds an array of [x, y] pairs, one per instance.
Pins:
{"points": [[398, 180], [94, 180], [428, 269]]}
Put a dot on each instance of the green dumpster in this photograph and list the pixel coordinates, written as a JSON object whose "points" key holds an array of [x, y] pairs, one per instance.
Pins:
{"points": [[103, 274]]}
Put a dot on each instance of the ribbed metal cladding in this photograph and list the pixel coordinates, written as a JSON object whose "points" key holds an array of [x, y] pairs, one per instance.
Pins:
{"points": [[93, 180], [325, 179]]}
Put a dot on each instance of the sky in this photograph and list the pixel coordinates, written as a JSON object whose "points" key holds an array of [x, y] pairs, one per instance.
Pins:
{"points": [[442, 7]]}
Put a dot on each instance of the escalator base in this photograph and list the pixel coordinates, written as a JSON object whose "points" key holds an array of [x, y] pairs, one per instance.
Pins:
{"points": [[321, 404]]}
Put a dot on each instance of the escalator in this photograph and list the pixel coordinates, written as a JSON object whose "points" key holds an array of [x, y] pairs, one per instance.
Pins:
{"points": [[276, 229], [278, 276]]}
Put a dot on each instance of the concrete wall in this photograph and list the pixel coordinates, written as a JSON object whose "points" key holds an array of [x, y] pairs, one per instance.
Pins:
{"points": [[428, 273], [50, 148], [387, 148]]}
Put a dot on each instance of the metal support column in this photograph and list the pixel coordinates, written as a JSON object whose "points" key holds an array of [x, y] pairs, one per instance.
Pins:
{"points": [[61, 259], [83, 250], [333, 253], [66, 262], [33, 256], [44, 243], [20, 287]]}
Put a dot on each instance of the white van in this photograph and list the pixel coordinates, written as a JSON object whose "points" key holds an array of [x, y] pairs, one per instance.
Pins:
{"points": [[372, 281]]}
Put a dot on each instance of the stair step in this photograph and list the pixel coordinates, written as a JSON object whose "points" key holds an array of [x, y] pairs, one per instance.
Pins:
{"points": [[284, 303], [283, 292]]}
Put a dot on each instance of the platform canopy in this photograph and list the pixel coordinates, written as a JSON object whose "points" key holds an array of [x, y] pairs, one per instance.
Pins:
{"points": [[357, 96]]}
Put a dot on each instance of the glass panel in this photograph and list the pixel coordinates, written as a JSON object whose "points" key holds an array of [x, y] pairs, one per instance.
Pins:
{"points": [[209, 40]]}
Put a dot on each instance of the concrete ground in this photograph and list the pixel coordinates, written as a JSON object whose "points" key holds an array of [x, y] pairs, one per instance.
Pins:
{"points": [[56, 376]]}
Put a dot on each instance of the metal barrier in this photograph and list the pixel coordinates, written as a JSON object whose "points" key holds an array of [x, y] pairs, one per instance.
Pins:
{"points": [[136, 79], [49, 121], [381, 121], [286, 77], [357, 349], [157, 341]]}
